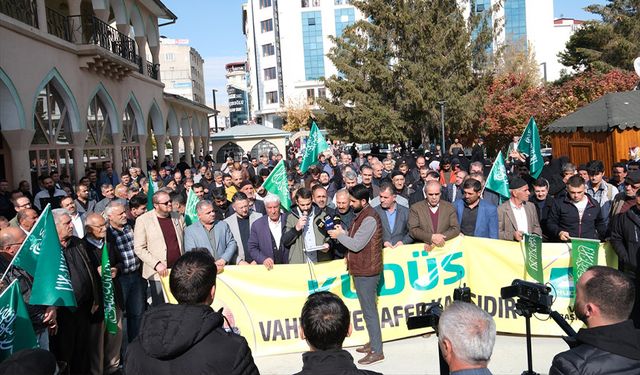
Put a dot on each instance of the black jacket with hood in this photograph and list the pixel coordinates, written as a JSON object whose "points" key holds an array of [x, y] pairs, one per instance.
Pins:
{"points": [[187, 339], [612, 349]]}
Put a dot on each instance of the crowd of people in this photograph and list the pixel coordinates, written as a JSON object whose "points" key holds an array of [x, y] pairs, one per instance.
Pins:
{"points": [[348, 205]]}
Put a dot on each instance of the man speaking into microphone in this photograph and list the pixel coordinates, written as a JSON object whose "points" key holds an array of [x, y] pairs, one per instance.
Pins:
{"points": [[364, 262], [302, 234]]}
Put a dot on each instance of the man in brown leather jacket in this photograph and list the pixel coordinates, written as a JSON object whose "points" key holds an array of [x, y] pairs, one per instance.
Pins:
{"points": [[364, 261]]}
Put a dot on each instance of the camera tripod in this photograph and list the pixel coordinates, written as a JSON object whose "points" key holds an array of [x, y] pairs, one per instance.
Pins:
{"points": [[526, 310]]}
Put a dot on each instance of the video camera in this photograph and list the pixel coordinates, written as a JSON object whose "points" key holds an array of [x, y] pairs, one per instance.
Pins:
{"points": [[429, 314], [535, 297]]}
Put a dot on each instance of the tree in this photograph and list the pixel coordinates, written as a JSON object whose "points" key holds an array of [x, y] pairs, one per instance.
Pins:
{"points": [[296, 114], [611, 43], [396, 65]]}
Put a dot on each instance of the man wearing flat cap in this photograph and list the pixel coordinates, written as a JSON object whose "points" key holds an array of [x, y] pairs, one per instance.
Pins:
{"points": [[626, 199], [517, 216]]}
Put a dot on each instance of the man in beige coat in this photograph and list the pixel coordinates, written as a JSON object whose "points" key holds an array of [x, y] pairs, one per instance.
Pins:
{"points": [[157, 241], [432, 213], [517, 215]]}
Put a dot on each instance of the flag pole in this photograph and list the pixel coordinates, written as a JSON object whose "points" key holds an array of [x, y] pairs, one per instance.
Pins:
{"points": [[22, 246]]}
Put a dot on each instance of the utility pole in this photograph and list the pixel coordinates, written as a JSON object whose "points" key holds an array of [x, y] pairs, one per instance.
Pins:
{"points": [[442, 143], [215, 111]]}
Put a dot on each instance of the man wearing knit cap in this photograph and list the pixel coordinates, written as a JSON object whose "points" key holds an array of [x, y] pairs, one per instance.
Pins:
{"points": [[517, 216]]}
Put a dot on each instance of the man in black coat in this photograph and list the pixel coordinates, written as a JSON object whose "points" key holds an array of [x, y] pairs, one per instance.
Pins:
{"points": [[576, 215], [609, 344], [325, 323], [625, 239], [189, 338]]}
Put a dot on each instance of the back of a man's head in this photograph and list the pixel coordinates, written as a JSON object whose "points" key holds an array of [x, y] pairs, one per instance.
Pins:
{"points": [[325, 321], [192, 277], [610, 290], [471, 334]]}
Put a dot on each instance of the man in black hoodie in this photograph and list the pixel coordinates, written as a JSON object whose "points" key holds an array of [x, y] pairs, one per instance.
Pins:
{"points": [[325, 323], [609, 344], [189, 338]]}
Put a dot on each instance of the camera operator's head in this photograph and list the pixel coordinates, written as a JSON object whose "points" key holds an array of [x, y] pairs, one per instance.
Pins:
{"points": [[325, 321], [466, 335], [193, 278], [604, 296]]}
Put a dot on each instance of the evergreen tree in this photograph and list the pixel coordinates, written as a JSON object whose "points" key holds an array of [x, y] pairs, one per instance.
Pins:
{"points": [[610, 43], [398, 63]]}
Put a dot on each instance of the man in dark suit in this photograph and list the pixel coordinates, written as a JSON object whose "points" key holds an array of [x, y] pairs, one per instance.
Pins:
{"points": [[476, 216], [265, 240], [394, 218], [433, 221]]}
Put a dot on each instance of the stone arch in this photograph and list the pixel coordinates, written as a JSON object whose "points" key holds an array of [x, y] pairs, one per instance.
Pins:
{"points": [[204, 131], [225, 151], [137, 21], [263, 148], [155, 116], [110, 106], [195, 125], [66, 94], [11, 110], [173, 127], [185, 125], [120, 12], [137, 110]]}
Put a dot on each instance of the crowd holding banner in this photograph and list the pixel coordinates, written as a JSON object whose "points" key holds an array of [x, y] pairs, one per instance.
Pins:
{"points": [[279, 226]]}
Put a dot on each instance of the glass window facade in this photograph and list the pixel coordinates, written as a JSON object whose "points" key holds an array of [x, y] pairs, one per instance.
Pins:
{"points": [[515, 21], [344, 18], [482, 6], [312, 41]]}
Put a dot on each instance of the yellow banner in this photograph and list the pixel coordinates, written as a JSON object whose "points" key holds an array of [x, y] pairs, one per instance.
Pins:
{"points": [[265, 305]]}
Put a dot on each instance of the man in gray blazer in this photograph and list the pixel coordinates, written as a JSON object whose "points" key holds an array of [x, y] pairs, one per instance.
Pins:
{"points": [[240, 226], [394, 217], [214, 236], [517, 215]]}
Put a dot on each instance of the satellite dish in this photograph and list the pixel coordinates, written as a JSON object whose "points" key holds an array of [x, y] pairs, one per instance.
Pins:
{"points": [[636, 65]]}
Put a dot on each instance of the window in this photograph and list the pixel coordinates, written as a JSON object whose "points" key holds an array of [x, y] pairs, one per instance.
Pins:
{"points": [[311, 97], [170, 56], [265, 3], [268, 50], [272, 97], [341, 2], [51, 145], [479, 8], [304, 3], [311, 21], [322, 92], [266, 25], [269, 73], [130, 143]]}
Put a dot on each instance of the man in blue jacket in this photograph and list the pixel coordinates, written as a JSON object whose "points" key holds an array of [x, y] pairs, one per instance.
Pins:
{"points": [[476, 217]]}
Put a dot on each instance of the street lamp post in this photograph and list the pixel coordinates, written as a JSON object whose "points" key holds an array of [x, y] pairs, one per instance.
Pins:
{"points": [[215, 111], [442, 143]]}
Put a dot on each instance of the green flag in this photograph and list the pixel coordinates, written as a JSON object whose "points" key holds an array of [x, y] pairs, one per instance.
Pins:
{"points": [[530, 145], [584, 254], [51, 281], [497, 180], [16, 330], [315, 145], [190, 213], [110, 318], [533, 256], [277, 184], [150, 192], [27, 256]]}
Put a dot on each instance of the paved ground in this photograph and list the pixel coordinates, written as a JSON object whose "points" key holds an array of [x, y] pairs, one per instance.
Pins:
{"points": [[419, 355]]}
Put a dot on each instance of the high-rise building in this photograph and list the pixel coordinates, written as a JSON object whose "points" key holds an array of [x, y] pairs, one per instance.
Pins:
{"points": [[181, 69], [287, 47], [288, 42], [563, 28], [237, 93]]}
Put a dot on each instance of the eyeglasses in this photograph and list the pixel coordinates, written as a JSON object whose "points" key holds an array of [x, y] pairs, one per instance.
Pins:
{"points": [[164, 203]]}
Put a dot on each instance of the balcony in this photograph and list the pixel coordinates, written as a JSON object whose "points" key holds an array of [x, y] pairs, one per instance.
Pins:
{"points": [[152, 70], [24, 11]]}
